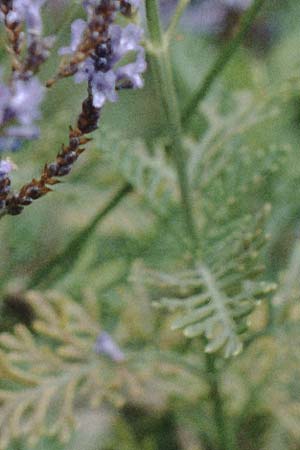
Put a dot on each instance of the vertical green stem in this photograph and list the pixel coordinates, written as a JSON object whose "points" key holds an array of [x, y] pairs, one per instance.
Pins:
{"points": [[162, 69], [164, 77], [181, 5], [226, 441], [221, 61]]}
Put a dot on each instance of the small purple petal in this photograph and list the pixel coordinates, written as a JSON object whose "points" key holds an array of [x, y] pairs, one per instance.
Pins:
{"points": [[106, 346], [23, 131], [125, 40], [77, 30], [26, 100], [104, 88], [85, 72], [19, 108], [28, 11], [6, 166], [9, 144], [133, 71]]}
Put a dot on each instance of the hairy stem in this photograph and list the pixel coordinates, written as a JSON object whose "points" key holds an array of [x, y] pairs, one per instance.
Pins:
{"points": [[221, 62], [164, 78], [64, 261]]}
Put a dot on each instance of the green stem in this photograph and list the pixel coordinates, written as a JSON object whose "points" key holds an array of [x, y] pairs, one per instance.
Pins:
{"points": [[164, 78], [226, 440], [181, 5], [158, 50], [64, 261], [221, 62]]}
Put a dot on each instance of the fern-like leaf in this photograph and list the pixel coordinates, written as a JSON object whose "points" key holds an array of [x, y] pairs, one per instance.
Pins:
{"points": [[151, 174], [216, 298], [44, 377], [247, 111], [48, 373]]}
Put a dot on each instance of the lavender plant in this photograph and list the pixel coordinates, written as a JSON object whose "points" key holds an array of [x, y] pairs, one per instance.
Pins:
{"points": [[171, 325], [96, 46]]}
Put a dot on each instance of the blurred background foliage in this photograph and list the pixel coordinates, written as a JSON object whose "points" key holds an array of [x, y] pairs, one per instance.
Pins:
{"points": [[248, 128]]}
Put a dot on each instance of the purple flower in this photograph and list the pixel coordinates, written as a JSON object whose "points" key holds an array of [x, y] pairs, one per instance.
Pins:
{"points": [[86, 71], [104, 88], [77, 29], [106, 346], [103, 80], [102, 68], [19, 108], [28, 11], [124, 40], [26, 100], [6, 166], [132, 72], [23, 131]]}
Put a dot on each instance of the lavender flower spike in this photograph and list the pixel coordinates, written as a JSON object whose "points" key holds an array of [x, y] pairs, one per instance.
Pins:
{"points": [[106, 346], [102, 68]]}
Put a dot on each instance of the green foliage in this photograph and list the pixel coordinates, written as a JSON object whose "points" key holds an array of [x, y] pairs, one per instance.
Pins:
{"points": [[216, 298], [50, 373], [149, 172], [47, 375]]}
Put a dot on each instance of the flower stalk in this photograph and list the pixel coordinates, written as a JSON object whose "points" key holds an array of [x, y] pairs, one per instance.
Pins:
{"points": [[97, 47], [164, 78], [221, 62]]}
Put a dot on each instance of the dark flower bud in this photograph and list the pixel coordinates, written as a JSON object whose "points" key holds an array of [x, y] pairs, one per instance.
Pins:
{"points": [[15, 210], [33, 192], [25, 201], [52, 169], [101, 63], [103, 49], [74, 143], [64, 170], [70, 157]]}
